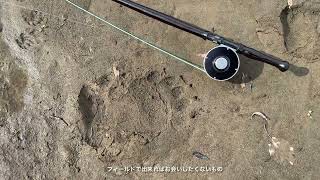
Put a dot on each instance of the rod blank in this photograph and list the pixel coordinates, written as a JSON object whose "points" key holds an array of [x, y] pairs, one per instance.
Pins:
{"points": [[185, 26]]}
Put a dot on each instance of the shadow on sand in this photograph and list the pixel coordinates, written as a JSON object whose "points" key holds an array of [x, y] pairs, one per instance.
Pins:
{"points": [[251, 69]]}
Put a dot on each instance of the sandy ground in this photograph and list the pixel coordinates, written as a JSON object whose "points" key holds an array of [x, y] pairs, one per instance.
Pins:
{"points": [[78, 98]]}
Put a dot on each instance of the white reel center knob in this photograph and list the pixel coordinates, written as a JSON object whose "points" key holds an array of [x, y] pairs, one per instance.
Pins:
{"points": [[221, 63]]}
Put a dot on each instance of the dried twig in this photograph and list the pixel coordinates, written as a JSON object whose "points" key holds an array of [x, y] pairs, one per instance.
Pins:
{"points": [[200, 155], [60, 118], [266, 124]]}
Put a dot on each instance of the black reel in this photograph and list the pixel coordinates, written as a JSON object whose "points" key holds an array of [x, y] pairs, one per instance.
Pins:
{"points": [[221, 63]]}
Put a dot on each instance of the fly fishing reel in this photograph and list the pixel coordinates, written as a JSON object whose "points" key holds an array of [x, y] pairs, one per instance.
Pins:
{"points": [[221, 63]]}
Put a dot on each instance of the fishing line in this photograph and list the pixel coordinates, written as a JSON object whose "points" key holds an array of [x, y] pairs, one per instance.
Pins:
{"points": [[115, 27], [58, 17], [45, 13], [137, 38]]}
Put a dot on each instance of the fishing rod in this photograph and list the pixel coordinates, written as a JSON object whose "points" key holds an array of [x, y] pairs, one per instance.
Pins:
{"points": [[222, 62]]}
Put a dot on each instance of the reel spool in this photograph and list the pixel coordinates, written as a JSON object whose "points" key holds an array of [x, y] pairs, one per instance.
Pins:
{"points": [[221, 63]]}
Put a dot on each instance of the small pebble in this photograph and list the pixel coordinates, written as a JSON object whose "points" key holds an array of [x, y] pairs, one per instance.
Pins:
{"points": [[290, 3], [310, 114], [116, 72]]}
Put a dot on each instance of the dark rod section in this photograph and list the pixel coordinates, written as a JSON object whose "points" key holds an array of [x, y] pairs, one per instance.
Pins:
{"points": [[205, 34], [166, 18]]}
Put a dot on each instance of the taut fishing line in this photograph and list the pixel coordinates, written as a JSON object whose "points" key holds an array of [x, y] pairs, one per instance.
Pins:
{"points": [[113, 26]]}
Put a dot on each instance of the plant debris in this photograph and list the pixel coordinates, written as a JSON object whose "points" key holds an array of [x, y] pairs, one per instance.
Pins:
{"points": [[243, 78], [279, 149], [200, 155], [202, 55], [265, 118]]}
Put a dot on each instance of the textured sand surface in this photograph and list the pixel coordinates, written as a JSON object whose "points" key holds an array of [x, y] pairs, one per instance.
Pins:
{"points": [[77, 98]]}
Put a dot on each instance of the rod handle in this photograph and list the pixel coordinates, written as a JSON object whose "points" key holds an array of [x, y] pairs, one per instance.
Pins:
{"points": [[266, 58], [255, 54]]}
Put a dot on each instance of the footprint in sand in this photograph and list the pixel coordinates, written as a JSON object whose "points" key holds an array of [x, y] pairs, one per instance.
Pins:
{"points": [[123, 114]]}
